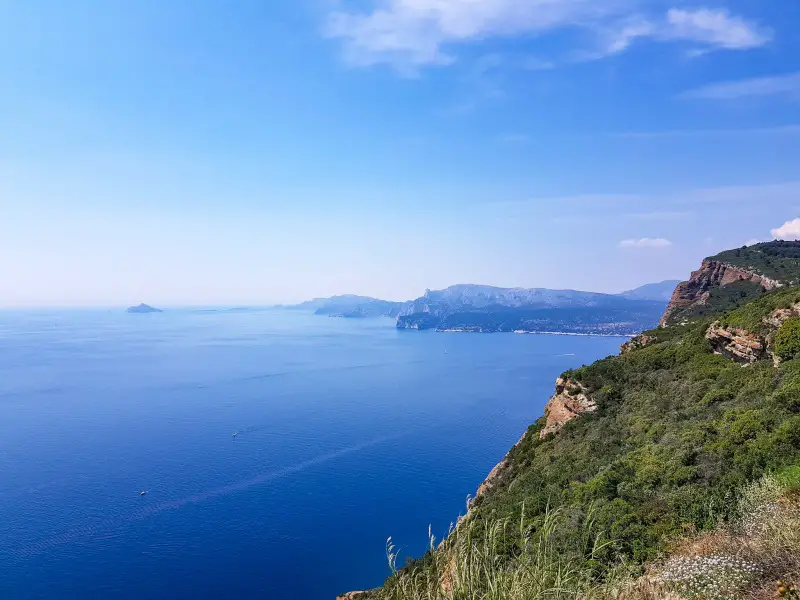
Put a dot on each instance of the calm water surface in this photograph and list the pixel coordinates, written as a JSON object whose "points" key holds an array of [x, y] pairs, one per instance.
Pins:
{"points": [[348, 432]]}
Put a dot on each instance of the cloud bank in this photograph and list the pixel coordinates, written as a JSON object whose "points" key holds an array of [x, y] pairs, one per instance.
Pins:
{"points": [[410, 34], [788, 231], [645, 243]]}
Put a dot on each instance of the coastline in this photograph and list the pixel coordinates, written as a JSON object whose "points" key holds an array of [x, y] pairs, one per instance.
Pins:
{"points": [[624, 335], [523, 332]]}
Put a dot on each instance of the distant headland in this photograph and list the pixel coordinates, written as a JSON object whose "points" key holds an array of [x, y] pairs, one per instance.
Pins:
{"points": [[487, 309]]}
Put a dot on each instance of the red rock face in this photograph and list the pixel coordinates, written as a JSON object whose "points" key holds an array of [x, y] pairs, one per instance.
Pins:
{"points": [[569, 402], [711, 274]]}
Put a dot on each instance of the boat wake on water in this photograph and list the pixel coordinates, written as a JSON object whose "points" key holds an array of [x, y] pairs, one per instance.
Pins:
{"points": [[106, 527]]}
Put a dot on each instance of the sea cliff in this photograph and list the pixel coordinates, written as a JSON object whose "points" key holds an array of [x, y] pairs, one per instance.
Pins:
{"points": [[638, 449]]}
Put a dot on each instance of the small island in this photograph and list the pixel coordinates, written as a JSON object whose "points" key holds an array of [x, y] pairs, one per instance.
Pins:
{"points": [[143, 309]]}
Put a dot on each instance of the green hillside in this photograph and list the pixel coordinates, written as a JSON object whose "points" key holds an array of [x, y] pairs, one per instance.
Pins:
{"points": [[678, 433], [779, 260]]}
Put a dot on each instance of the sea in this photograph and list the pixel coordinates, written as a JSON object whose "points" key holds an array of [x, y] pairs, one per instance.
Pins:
{"points": [[278, 450]]}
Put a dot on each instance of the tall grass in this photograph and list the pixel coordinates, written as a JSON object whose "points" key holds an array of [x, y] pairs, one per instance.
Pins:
{"points": [[502, 561], [533, 560]]}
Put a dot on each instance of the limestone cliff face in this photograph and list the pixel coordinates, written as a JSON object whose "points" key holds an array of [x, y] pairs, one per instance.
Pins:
{"points": [[745, 346], [738, 344], [712, 274], [571, 400]]}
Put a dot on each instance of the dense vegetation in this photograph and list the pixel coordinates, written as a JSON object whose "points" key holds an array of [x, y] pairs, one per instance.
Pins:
{"points": [[678, 433], [787, 340], [679, 429], [751, 316], [756, 554], [721, 300], [776, 260]]}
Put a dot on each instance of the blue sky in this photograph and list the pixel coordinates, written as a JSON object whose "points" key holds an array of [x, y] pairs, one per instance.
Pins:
{"points": [[257, 152]]}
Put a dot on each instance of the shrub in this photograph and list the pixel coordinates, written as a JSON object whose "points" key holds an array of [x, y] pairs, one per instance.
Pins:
{"points": [[787, 340]]}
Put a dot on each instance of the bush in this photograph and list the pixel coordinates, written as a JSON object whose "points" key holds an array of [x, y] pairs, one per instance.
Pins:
{"points": [[553, 556], [787, 340]]}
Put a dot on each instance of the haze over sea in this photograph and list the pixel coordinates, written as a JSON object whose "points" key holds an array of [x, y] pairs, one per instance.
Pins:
{"points": [[348, 432]]}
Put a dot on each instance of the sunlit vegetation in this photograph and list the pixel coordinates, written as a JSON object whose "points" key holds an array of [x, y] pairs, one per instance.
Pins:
{"points": [[756, 553], [776, 260], [751, 316], [684, 483]]}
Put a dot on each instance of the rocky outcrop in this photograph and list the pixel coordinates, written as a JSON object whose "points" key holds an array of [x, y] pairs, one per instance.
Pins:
{"points": [[351, 596], [640, 341], [712, 274], [746, 346], [570, 401], [780, 316], [738, 344]]}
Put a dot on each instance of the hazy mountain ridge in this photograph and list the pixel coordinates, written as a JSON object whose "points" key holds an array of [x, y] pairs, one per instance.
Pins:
{"points": [[349, 306], [661, 291], [485, 309], [481, 308]]}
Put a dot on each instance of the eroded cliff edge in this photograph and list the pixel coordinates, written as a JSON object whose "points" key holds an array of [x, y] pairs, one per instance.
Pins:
{"points": [[712, 275]]}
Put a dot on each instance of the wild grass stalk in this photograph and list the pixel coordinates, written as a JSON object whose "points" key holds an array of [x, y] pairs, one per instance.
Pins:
{"points": [[531, 559]]}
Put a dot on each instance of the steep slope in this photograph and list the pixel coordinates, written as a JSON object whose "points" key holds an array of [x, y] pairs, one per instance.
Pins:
{"points": [[638, 449], [733, 277], [671, 423]]}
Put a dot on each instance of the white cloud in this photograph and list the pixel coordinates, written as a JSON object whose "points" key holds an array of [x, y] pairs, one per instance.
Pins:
{"points": [[410, 34], [717, 28], [781, 85], [788, 231], [752, 242], [645, 243], [414, 32]]}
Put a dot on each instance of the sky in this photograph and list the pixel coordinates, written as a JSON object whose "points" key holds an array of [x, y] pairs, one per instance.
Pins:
{"points": [[258, 152]]}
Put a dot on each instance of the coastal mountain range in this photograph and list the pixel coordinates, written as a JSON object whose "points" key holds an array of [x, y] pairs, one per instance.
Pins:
{"points": [[481, 308]]}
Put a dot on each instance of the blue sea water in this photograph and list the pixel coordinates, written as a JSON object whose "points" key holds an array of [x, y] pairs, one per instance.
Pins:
{"points": [[348, 432]]}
